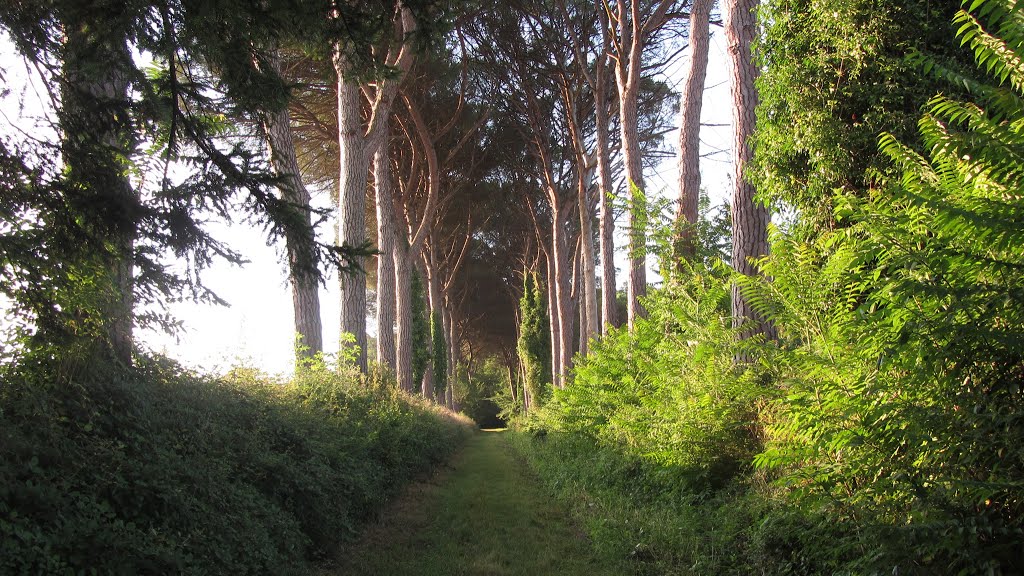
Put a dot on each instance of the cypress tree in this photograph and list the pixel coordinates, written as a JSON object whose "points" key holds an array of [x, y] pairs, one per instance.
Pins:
{"points": [[421, 343], [534, 345]]}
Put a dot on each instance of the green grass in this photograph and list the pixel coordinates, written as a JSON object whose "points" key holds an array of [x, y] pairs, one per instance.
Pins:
{"points": [[645, 516], [486, 515]]}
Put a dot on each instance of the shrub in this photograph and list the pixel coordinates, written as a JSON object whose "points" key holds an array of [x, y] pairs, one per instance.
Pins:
{"points": [[159, 470], [902, 360], [667, 391]]}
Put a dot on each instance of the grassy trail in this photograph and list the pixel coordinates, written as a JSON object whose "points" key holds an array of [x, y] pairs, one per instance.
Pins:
{"points": [[484, 516]]}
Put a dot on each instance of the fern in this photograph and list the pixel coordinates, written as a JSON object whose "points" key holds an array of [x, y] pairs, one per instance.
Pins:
{"points": [[902, 350]]}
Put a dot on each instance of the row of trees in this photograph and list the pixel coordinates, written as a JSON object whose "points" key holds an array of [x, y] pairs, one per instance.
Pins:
{"points": [[626, 44], [167, 113], [550, 110], [879, 429], [462, 143]]}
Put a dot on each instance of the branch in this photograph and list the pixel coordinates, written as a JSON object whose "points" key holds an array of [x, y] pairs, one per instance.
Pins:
{"points": [[465, 137], [432, 174]]}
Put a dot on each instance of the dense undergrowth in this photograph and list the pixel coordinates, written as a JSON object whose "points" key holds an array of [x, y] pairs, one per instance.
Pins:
{"points": [[160, 471], [883, 431]]}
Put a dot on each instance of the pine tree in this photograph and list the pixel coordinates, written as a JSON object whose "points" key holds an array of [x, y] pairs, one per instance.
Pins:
{"points": [[439, 356], [84, 248]]}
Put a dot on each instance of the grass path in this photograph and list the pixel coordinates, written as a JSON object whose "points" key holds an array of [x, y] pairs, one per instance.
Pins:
{"points": [[483, 516]]}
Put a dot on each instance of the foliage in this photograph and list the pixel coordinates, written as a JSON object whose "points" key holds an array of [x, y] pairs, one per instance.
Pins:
{"points": [[509, 402], [834, 77], [158, 470], [475, 392], [534, 344], [667, 391], [892, 431], [421, 342], [101, 193], [901, 360], [712, 242]]}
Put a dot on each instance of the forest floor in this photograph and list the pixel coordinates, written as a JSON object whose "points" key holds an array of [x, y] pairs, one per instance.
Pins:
{"points": [[484, 514]]}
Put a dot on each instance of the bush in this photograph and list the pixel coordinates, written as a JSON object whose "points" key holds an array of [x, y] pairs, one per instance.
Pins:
{"points": [[893, 434], [159, 470], [903, 360], [667, 391]]}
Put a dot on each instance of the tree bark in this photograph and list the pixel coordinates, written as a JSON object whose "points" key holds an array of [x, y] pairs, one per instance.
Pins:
{"points": [[449, 334], [689, 129], [750, 218], [356, 154], [562, 304], [578, 302], [434, 303], [590, 327], [553, 318], [299, 244], [387, 241], [359, 141], [403, 315], [606, 192], [636, 285]]}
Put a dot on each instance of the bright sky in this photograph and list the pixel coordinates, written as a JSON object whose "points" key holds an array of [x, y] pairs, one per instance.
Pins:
{"points": [[258, 328]]}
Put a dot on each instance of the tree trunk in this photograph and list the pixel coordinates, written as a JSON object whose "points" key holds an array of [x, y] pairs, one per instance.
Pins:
{"points": [[434, 302], [584, 288], [356, 155], [689, 130], [589, 321], [299, 244], [749, 218], [510, 368], [359, 141], [628, 82], [387, 240], [413, 241], [604, 176], [449, 334], [553, 319], [562, 303], [403, 315], [97, 134]]}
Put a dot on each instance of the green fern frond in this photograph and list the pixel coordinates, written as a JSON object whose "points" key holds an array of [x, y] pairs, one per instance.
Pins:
{"points": [[998, 56]]}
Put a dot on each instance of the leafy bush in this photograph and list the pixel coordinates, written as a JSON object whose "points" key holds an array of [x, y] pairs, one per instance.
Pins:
{"points": [[893, 434], [834, 77], [158, 471], [667, 391], [904, 350]]}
